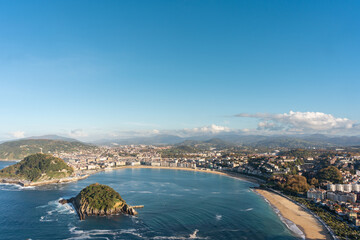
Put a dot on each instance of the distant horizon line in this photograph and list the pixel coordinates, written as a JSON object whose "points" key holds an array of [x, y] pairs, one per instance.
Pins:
{"points": [[209, 136]]}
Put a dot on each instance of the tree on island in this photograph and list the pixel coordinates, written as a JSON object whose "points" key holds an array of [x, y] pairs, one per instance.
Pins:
{"points": [[99, 200], [38, 167]]}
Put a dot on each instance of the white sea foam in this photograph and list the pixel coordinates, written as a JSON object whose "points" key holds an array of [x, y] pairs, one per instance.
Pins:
{"points": [[246, 210], [144, 192], [99, 233], [289, 224], [218, 217], [191, 236], [175, 195], [54, 209], [14, 187], [43, 219]]}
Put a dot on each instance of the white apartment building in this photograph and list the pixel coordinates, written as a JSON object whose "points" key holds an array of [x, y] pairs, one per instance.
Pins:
{"points": [[343, 187], [341, 197], [316, 194]]}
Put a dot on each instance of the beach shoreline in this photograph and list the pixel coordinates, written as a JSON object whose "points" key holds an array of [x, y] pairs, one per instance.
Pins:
{"points": [[236, 175], [300, 222], [294, 214]]}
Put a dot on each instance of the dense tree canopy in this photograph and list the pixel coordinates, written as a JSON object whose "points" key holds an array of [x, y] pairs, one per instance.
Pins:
{"points": [[100, 196], [331, 174], [37, 166], [296, 183]]}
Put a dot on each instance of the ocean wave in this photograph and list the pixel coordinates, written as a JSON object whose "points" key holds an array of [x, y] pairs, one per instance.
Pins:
{"points": [[247, 210], [45, 219], [14, 187], [144, 192], [191, 236], [289, 224], [54, 209], [175, 195], [100, 233], [218, 217]]}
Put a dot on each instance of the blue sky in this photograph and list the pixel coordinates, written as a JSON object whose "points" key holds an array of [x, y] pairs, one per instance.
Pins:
{"points": [[93, 69]]}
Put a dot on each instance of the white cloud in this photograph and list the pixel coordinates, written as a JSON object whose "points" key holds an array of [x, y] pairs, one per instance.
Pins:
{"points": [[301, 122], [268, 125], [78, 133], [18, 134], [208, 129], [155, 131]]}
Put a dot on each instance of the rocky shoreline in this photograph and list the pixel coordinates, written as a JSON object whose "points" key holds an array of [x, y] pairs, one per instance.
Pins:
{"points": [[25, 183], [99, 200], [84, 210]]}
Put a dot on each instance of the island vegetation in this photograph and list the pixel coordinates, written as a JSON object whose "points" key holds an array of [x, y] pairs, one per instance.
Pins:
{"points": [[99, 200], [37, 167]]}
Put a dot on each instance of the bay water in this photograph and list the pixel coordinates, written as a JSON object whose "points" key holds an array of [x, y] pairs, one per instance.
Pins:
{"points": [[178, 205]]}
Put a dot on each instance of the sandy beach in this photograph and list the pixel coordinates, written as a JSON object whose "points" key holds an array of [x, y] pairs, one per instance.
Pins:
{"points": [[309, 225], [225, 173], [88, 173]]}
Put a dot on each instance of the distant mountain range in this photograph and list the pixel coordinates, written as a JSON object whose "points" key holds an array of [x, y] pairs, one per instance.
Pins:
{"points": [[290, 141], [158, 139], [54, 137], [18, 149]]}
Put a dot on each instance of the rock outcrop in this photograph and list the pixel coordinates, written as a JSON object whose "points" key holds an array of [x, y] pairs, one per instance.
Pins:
{"points": [[99, 200]]}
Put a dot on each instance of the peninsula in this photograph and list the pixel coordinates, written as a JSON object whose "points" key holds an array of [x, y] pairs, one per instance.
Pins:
{"points": [[38, 169], [99, 200]]}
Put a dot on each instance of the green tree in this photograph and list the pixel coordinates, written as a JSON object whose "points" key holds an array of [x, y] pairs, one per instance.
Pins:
{"points": [[314, 182], [37, 166], [331, 174], [296, 184]]}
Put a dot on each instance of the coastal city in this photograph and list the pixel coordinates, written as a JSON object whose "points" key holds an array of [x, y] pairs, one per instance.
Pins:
{"points": [[217, 120], [328, 179]]}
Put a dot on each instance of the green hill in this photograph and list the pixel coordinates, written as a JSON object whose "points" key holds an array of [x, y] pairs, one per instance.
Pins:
{"points": [[287, 142], [99, 200], [37, 167], [15, 150], [100, 196]]}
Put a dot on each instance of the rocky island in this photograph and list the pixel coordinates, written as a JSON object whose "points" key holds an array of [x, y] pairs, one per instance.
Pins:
{"points": [[99, 200], [38, 169]]}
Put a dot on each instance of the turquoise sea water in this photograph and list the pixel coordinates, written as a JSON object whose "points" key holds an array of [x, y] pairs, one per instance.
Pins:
{"points": [[178, 205]]}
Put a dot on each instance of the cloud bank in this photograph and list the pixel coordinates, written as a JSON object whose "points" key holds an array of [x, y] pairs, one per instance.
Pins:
{"points": [[18, 134], [77, 133], [301, 122], [207, 129]]}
